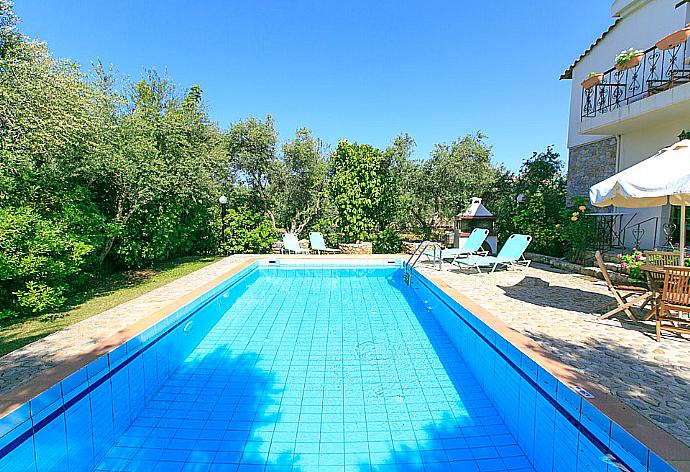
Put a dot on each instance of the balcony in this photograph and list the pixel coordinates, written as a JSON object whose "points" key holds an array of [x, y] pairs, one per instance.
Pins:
{"points": [[622, 96]]}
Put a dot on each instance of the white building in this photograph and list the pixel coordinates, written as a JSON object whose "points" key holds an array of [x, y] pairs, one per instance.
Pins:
{"points": [[631, 113]]}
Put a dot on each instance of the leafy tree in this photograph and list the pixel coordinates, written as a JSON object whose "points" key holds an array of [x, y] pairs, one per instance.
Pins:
{"points": [[154, 155], [395, 167], [441, 186], [251, 146], [387, 241], [541, 184], [247, 232], [356, 189], [39, 260], [577, 229], [302, 181], [49, 226]]}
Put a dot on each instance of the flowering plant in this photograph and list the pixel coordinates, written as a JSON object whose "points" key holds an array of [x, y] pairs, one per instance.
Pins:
{"points": [[578, 232], [632, 262], [625, 56]]}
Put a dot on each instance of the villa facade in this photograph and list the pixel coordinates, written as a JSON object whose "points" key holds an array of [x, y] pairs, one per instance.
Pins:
{"points": [[627, 113]]}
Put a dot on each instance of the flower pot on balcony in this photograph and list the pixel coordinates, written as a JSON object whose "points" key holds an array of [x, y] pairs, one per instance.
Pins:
{"points": [[630, 63], [674, 39], [590, 82]]}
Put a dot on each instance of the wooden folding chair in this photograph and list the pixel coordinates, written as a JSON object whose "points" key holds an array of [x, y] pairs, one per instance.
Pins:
{"points": [[626, 296], [655, 279], [674, 307]]}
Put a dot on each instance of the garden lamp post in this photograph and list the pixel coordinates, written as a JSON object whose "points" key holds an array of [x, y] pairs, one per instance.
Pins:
{"points": [[223, 200]]}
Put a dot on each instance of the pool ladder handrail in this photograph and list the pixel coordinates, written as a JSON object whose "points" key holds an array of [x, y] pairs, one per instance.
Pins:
{"points": [[420, 249]]}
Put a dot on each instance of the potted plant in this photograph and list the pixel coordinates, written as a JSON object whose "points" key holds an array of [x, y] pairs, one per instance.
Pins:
{"points": [[594, 78], [629, 59], [674, 39]]}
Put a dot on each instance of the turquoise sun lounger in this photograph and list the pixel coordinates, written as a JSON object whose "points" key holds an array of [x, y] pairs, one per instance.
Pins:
{"points": [[319, 245], [472, 246], [291, 244], [510, 255]]}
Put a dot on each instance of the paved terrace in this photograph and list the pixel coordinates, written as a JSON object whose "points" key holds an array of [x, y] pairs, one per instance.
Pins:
{"points": [[551, 307], [554, 308]]}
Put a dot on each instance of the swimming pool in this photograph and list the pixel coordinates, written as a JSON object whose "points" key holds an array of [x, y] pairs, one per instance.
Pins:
{"points": [[289, 367]]}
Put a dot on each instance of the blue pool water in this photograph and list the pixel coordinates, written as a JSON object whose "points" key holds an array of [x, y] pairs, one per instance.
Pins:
{"points": [[331, 370], [288, 367]]}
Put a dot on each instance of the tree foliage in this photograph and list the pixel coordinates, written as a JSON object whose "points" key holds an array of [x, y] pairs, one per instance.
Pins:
{"points": [[98, 173], [302, 178], [441, 187], [251, 147], [541, 187], [356, 187]]}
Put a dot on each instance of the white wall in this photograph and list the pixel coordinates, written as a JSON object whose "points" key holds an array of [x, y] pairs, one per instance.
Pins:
{"points": [[641, 28], [637, 146]]}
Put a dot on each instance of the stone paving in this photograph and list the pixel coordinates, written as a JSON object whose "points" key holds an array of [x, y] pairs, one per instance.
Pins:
{"points": [[555, 308]]}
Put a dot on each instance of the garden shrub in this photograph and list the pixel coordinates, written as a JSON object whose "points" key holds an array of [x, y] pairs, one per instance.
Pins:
{"points": [[578, 230], [40, 260], [387, 242], [247, 231]]}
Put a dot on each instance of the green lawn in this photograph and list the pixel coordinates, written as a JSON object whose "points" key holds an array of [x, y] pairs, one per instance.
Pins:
{"points": [[107, 292]]}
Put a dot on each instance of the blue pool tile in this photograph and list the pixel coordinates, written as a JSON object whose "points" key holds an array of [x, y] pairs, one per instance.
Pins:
{"points": [[79, 433], [570, 400], [51, 445], [628, 448], [547, 381], [121, 405], [657, 464], [596, 422], [529, 367], [23, 457], [526, 418], [97, 368], [20, 459], [13, 419], [46, 400], [117, 356], [515, 355], [102, 420]]}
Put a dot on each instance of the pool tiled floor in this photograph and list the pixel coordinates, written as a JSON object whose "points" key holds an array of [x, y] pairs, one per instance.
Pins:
{"points": [[327, 372]]}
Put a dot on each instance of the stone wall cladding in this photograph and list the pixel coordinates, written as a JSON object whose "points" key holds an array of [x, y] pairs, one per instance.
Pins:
{"points": [[588, 164], [356, 248]]}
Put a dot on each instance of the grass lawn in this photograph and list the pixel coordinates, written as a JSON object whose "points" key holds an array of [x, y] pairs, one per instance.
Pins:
{"points": [[106, 292]]}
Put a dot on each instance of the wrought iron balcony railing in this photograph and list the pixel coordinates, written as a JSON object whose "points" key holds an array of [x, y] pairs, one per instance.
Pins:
{"points": [[658, 70]]}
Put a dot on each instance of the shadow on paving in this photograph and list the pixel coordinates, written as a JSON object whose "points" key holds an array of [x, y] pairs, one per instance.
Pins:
{"points": [[537, 291]]}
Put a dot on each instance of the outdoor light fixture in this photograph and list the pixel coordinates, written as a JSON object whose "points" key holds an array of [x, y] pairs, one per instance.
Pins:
{"points": [[223, 200]]}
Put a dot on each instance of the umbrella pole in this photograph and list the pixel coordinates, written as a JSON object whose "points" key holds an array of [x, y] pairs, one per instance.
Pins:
{"points": [[682, 234]]}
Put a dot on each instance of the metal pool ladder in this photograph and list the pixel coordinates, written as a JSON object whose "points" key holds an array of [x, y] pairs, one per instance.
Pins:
{"points": [[419, 250]]}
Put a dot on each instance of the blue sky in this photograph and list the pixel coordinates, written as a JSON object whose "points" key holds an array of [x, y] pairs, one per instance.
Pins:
{"points": [[360, 70]]}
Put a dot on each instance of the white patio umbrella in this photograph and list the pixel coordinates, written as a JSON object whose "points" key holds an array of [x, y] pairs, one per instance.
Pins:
{"points": [[661, 179]]}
